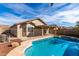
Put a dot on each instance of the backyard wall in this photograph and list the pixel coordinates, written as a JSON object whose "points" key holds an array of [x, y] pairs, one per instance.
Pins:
{"points": [[69, 32]]}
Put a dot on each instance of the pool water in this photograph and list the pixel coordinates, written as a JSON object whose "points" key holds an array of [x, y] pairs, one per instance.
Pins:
{"points": [[54, 46]]}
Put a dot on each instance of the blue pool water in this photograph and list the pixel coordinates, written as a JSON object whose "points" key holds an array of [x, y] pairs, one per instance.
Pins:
{"points": [[54, 46]]}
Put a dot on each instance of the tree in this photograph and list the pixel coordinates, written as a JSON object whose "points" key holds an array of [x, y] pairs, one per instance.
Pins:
{"points": [[77, 24]]}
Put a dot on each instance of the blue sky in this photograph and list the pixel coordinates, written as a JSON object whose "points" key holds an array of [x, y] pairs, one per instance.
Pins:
{"points": [[62, 14]]}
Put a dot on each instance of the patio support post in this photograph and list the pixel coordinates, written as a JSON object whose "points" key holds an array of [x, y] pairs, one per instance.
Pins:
{"points": [[26, 30], [47, 31], [19, 31], [33, 31], [42, 31]]}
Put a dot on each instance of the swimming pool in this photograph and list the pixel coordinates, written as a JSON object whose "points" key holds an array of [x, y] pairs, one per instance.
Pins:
{"points": [[54, 46]]}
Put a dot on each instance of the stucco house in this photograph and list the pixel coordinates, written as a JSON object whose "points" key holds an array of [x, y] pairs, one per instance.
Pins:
{"points": [[34, 27]]}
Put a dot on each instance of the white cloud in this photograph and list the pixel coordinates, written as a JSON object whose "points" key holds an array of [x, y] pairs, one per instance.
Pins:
{"points": [[69, 13], [10, 16], [68, 16], [70, 19], [20, 8], [9, 19]]}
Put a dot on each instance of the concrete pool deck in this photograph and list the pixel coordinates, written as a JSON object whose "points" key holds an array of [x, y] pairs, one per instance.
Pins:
{"points": [[19, 51]]}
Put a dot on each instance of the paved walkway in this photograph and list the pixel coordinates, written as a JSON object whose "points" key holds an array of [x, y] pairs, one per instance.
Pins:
{"points": [[19, 51]]}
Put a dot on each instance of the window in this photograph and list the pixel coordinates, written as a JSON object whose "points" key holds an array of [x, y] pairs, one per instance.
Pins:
{"points": [[30, 29]]}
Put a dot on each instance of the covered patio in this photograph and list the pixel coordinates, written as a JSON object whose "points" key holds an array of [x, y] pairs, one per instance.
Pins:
{"points": [[44, 30], [31, 30]]}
